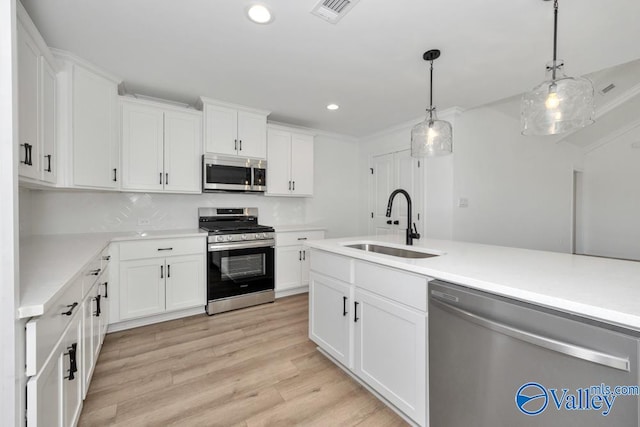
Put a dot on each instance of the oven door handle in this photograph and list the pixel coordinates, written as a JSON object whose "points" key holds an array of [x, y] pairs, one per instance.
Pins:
{"points": [[217, 247]]}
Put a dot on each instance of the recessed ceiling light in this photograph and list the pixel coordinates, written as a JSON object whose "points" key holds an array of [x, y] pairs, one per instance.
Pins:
{"points": [[259, 14], [332, 107]]}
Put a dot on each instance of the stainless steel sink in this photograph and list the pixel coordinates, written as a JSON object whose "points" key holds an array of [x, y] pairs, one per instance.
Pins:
{"points": [[388, 250]]}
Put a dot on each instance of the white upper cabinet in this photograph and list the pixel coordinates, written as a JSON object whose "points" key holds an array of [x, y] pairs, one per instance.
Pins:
{"points": [[234, 130], [161, 147], [87, 124], [37, 152], [289, 162]]}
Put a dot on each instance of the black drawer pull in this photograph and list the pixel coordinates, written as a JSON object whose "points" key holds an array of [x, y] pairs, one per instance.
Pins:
{"points": [[98, 311], [302, 238], [48, 157], [396, 222], [115, 175], [70, 311], [165, 249], [106, 257], [344, 306], [94, 272], [106, 289], [73, 365], [355, 311]]}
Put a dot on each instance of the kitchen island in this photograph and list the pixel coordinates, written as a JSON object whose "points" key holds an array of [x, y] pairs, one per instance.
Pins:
{"points": [[368, 310]]}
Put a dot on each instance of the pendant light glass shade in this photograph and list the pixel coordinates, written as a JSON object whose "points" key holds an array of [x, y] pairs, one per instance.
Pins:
{"points": [[559, 104], [431, 137]]}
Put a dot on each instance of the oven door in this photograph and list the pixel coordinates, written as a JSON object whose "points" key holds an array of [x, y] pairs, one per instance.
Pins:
{"points": [[234, 272], [222, 174]]}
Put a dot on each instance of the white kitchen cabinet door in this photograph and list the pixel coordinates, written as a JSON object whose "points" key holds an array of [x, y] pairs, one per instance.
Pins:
{"points": [[305, 266], [105, 306], [71, 374], [221, 130], [278, 162], [302, 164], [28, 124], [44, 394], [182, 152], [48, 152], [96, 330], [390, 342], [95, 142], [185, 282], [142, 147], [87, 354], [330, 317], [142, 288], [252, 135], [288, 267]]}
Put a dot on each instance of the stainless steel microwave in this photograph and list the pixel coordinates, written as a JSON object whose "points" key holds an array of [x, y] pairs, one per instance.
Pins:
{"points": [[233, 174]]}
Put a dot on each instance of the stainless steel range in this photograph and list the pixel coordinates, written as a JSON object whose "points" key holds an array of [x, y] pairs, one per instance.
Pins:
{"points": [[240, 261]]}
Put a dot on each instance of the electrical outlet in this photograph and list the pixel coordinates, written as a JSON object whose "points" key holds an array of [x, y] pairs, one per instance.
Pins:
{"points": [[144, 221], [463, 202]]}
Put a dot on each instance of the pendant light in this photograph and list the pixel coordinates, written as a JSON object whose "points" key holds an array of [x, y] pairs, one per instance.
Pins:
{"points": [[432, 137], [560, 103]]}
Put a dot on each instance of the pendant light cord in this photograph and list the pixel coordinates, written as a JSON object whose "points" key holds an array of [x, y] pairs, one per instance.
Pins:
{"points": [[431, 92], [555, 39]]}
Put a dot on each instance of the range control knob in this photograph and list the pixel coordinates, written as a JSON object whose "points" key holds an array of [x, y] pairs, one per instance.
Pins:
{"points": [[258, 236], [229, 238], [244, 237]]}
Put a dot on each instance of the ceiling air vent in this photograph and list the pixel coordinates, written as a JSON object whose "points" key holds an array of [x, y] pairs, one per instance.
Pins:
{"points": [[333, 10]]}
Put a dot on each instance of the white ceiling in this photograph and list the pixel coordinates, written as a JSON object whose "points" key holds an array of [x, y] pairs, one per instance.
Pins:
{"points": [[370, 62]]}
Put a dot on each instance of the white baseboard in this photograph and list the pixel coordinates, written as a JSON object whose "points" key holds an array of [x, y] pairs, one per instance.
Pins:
{"points": [[293, 291], [135, 323]]}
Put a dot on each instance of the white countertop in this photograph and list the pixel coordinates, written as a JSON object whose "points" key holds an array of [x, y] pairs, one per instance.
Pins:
{"points": [[297, 227], [598, 288], [48, 263]]}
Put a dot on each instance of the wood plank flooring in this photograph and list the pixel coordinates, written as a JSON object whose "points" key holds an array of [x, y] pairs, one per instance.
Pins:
{"points": [[251, 367]]}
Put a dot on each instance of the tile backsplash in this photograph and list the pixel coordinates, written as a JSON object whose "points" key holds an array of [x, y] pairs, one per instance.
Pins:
{"points": [[61, 212]]}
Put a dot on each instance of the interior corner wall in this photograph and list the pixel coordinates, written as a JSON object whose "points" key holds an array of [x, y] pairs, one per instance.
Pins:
{"points": [[610, 200], [519, 188], [334, 204]]}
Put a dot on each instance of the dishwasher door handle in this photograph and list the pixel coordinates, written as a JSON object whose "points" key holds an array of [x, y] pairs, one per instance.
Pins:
{"points": [[572, 350]]}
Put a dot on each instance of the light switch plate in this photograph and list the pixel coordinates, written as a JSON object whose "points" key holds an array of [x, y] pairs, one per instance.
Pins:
{"points": [[463, 202], [144, 221]]}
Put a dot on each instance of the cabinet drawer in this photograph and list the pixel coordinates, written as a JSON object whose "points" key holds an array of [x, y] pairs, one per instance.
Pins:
{"points": [[406, 288], [297, 237], [93, 273], [331, 265], [43, 332], [161, 248]]}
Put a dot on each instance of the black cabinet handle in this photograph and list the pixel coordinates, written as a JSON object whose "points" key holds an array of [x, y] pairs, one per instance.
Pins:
{"points": [[160, 178], [240, 145], [94, 272], [48, 157], [389, 221], [165, 249], [396, 222], [168, 271], [355, 311], [115, 175], [106, 257], [70, 311], [344, 306], [73, 365], [106, 289], [98, 311], [162, 271], [26, 154], [304, 255], [166, 178], [293, 187], [302, 238], [235, 144], [289, 185], [299, 255]]}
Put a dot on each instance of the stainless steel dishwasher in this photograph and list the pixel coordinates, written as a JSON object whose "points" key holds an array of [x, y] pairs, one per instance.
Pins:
{"points": [[497, 362]]}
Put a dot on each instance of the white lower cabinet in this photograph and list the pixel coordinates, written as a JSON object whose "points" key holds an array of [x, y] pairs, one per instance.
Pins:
{"points": [[362, 325], [158, 276], [293, 260], [54, 394]]}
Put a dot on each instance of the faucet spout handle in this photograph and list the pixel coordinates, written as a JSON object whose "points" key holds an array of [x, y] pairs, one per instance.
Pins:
{"points": [[415, 233]]}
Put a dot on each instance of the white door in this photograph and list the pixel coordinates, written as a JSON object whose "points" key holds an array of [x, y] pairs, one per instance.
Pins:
{"points": [[94, 129], [221, 130], [288, 263], [330, 316], [71, 373], [28, 84], [302, 164], [252, 135], [142, 288], [48, 153], [44, 393], [278, 162], [390, 342], [185, 284], [382, 184], [182, 152], [142, 147]]}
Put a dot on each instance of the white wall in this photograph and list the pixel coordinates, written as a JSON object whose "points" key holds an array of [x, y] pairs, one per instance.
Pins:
{"points": [[519, 188], [12, 379], [611, 207], [72, 211]]}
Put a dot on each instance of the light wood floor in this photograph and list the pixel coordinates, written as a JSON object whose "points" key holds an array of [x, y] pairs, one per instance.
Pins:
{"points": [[251, 367]]}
